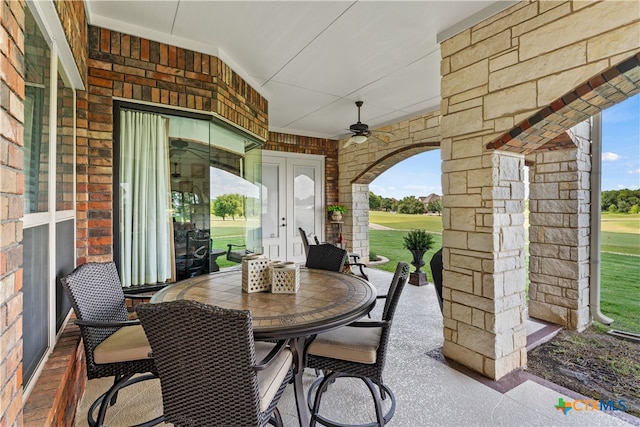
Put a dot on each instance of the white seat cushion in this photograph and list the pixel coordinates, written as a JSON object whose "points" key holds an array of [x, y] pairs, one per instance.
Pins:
{"points": [[127, 343], [353, 344], [271, 378]]}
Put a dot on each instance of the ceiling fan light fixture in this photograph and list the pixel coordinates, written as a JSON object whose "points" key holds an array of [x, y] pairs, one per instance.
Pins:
{"points": [[175, 176], [359, 139], [355, 139]]}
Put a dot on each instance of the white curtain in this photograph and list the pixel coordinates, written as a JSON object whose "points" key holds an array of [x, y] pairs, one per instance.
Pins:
{"points": [[145, 221]]}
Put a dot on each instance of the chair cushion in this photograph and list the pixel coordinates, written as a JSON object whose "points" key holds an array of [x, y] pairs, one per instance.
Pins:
{"points": [[358, 345], [271, 378], [127, 343]]}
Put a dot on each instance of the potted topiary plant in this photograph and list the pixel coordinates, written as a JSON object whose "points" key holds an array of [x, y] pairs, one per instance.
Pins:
{"points": [[336, 212], [418, 242]]}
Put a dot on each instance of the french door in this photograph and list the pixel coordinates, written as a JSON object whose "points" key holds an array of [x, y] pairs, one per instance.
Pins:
{"points": [[292, 198]]}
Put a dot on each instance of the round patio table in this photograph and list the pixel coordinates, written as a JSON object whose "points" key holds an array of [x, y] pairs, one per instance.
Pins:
{"points": [[325, 300]]}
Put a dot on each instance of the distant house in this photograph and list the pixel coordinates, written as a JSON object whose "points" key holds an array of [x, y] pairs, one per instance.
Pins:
{"points": [[428, 199]]}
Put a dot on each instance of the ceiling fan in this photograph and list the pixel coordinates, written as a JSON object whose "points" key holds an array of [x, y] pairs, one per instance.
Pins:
{"points": [[180, 147], [361, 132], [175, 175]]}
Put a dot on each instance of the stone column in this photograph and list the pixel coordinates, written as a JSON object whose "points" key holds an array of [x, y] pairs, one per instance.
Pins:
{"points": [[559, 233], [484, 274], [359, 221]]}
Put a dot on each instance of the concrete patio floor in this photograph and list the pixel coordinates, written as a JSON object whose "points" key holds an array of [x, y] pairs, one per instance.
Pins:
{"points": [[429, 390]]}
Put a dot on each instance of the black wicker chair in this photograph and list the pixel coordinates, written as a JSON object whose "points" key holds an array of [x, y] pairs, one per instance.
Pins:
{"points": [[206, 359], [436, 272], [326, 256], [355, 257], [357, 350], [305, 241], [113, 345], [237, 255]]}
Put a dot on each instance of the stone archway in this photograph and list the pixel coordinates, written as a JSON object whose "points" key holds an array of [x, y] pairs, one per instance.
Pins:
{"points": [[515, 66], [361, 164], [558, 142], [504, 82]]}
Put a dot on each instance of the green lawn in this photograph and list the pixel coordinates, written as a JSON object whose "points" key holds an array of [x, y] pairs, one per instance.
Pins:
{"points": [[620, 291], [620, 267], [431, 223], [622, 243], [388, 243], [621, 223]]}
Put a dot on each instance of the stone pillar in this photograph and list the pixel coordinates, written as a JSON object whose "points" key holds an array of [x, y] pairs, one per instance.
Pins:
{"points": [[358, 221], [559, 233], [483, 257]]}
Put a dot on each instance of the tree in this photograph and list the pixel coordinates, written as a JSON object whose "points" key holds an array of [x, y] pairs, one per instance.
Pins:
{"points": [[375, 201], [634, 209], [410, 205], [619, 200], [228, 205], [435, 206], [388, 204]]}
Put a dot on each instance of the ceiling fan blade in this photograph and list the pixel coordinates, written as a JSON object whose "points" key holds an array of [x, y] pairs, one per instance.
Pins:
{"points": [[379, 138], [195, 153], [383, 132], [348, 143]]}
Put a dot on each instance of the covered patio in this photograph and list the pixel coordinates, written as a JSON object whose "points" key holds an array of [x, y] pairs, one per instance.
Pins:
{"points": [[429, 390], [521, 84]]}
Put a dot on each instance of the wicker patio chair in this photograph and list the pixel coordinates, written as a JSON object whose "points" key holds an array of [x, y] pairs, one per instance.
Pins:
{"points": [[357, 350], [113, 345], [355, 257], [237, 255], [326, 256], [206, 359], [305, 241]]}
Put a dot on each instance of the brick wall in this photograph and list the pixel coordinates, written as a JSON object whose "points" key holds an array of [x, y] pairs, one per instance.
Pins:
{"points": [[11, 209], [74, 23], [61, 385], [138, 69]]}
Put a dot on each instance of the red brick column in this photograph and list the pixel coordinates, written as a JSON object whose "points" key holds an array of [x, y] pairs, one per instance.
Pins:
{"points": [[11, 209]]}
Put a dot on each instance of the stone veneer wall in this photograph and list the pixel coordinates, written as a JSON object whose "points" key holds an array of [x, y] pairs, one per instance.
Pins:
{"points": [[11, 209], [496, 74], [559, 232], [361, 164]]}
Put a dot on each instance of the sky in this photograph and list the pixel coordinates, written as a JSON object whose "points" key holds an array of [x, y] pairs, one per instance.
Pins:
{"points": [[420, 174]]}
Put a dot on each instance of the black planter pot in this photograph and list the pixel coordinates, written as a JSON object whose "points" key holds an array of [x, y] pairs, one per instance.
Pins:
{"points": [[417, 262]]}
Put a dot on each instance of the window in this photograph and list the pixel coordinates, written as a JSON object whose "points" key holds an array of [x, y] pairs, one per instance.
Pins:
{"points": [[184, 188], [49, 196]]}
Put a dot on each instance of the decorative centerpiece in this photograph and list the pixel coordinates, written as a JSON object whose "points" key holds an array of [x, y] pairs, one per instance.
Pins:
{"points": [[256, 274], [336, 212], [418, 242], [285, 277]]}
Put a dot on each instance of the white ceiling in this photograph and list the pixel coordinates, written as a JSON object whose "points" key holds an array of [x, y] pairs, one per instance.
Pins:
{"points": [[313, 59]]}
